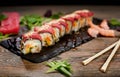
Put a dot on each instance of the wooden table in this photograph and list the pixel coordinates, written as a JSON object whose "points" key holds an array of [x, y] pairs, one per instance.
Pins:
{"points": [[13, 65]]}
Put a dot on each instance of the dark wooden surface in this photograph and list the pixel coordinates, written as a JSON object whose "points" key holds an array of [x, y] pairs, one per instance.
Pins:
{"points": [[13, 65]]}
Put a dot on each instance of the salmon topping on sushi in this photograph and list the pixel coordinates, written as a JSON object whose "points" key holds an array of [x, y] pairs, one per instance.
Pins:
{"points": [[31, 35], [68, 18], [43, 29], [53, 24], [90, 14], [84, 13]]}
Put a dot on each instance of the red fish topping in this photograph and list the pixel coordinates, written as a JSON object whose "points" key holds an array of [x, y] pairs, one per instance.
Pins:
{"points": [[44, 28], [76, 16], [55, 24], [10, 25], [31, 35], [64, 23], [90, 14], [68, 18], [84, 13]]}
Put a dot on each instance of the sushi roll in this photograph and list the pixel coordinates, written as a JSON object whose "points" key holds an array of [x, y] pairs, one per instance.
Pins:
{"points": [[50, 33], [31, 43]]}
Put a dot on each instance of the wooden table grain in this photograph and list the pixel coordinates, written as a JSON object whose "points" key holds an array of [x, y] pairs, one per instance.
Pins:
{"points": [[13, 65]]}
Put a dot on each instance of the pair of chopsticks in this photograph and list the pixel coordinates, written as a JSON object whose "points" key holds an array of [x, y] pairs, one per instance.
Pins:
{"points": [[105, 65]]}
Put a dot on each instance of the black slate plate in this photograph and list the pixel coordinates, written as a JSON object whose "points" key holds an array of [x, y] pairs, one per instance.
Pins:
{"points": [[66, 43]]}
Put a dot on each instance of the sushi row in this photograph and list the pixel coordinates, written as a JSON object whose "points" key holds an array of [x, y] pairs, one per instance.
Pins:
{"points": [[50, 33]]}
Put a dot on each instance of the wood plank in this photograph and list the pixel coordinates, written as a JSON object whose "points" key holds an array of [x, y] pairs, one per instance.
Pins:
{"points": [[10, 64]]}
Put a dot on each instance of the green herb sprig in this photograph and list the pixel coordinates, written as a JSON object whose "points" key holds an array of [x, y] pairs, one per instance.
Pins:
{"points": [[2, 17], [37, 20], [114, 22], [56, 15], [2, 37], [61, 66], [32, 20]]}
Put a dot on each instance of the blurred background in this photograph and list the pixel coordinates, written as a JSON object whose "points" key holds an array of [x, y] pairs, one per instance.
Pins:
{"points": [[101, 8], [58, 2]]}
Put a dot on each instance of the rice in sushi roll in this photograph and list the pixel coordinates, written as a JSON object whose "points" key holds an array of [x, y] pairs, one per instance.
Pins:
{"points": [[31, 43]]}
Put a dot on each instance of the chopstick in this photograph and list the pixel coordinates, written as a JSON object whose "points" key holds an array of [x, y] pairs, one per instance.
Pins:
{"points": [[85, 62], [105, 65]]}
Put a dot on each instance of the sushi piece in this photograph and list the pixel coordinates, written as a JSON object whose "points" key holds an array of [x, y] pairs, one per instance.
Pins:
{"points": [[48, 34], [57, 27], [75, 22], [69, 20], [85, 14], [31, 43], [82, 14], [64, 26], [47, 39]]}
